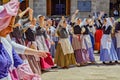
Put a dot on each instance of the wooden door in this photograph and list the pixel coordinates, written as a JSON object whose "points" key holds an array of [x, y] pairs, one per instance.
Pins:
{"points": [[5, 1], [68, 4], [24, 4], [48, 7]]}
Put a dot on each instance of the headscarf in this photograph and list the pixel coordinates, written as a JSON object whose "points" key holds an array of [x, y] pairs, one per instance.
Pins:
{"points": [[109, 23], [83, 22], [6, 12]]}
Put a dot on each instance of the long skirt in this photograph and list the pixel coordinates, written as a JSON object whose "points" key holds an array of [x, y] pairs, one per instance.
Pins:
{"points": [[63, 60], [78, 51], [118, 45], [81, 56], [92, 40], [52, 50], [107, 52], [91, 54], [46, 63], [98, 36], [118, 53], [114, 42], [42, 45], [33, 61], [88, 43], [34, 64]]}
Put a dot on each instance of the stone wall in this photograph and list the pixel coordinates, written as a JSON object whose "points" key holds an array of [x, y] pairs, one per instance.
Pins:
{"points": [[96, 5], [39, 6]]}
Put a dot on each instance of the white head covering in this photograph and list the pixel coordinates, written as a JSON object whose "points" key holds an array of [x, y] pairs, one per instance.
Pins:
{"points": [[108, 23], [83, 22], [39, 17]]}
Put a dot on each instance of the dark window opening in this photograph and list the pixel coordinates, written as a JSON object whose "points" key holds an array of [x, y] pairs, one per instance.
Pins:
{"points": [[58, 7]]}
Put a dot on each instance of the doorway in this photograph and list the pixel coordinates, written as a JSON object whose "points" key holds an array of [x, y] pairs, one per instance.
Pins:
{"points": [[58, 7], [114, 5], [24, 4]]}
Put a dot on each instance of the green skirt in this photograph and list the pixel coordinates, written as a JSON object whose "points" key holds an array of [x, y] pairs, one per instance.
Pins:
{"points": [[64, 60]]}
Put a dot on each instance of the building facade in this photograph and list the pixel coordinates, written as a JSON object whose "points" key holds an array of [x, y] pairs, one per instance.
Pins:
{"points": [[67, 7]]}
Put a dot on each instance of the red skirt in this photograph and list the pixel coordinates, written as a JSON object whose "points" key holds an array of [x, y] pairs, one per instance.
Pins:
{"points": [[46, 63], [98, 36]]}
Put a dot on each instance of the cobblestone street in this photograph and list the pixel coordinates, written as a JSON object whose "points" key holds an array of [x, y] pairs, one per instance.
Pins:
{"points": [[90, 72]]}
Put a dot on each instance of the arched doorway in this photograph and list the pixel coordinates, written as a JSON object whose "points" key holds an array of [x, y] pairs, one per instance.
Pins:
{"points": [[58, 7]]}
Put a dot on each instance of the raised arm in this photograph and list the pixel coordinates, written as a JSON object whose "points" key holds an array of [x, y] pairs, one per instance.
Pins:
{"points": [[74, 15]]}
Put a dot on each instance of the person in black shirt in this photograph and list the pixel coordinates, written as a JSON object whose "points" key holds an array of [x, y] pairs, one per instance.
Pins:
{"points": [[107, 52], [87, 41], [64, 56], [77, 43]]}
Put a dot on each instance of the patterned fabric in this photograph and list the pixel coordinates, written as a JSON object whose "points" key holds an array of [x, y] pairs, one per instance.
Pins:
{"points": [[26, 73]]}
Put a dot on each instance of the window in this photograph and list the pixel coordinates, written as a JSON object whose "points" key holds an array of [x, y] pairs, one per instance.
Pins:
{"points": [[84, 6]]}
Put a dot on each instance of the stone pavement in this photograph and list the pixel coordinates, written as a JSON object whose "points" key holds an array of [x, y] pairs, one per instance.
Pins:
{"points": [[90, 72]]}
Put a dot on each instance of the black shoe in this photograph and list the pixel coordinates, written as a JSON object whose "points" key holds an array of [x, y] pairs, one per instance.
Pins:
{"points": [[116, 61], [99, 51], [110, 62], [54, 67], [104, 63]]}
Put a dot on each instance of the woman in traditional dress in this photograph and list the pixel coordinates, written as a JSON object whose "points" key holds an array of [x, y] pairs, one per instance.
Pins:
{"points": [[77, 43], [117, 35], [51, 32], [92, 31], [113, 23], [107, 51], [98, 33], [34, 61], [41, 38], [9, 59], [64, 56], [87, 43]]}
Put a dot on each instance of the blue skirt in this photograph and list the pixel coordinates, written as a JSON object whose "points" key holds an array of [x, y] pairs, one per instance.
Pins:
{"points": [[91, 54], [118, 53], [114, 42], [92, 40], [105, 55]]}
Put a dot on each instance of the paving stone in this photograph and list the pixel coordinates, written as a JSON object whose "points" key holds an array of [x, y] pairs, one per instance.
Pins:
{"points": [[90, 72]]}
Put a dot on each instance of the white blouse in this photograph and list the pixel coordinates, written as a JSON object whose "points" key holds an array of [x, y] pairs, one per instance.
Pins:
{"points": [[20, 49]]}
